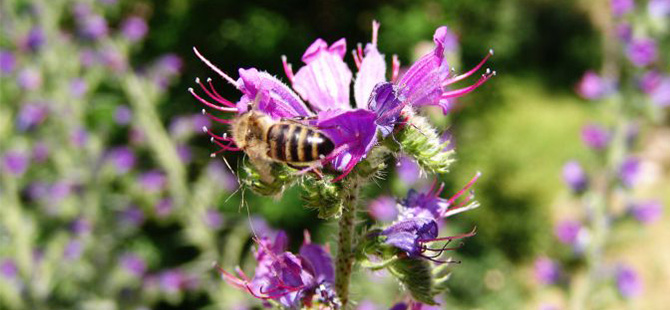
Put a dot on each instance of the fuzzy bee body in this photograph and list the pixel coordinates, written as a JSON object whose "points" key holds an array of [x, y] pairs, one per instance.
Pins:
{"points": [[284, 141]]}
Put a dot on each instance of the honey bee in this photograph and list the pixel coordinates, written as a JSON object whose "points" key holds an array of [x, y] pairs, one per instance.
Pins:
{"points": [[286, 141]]}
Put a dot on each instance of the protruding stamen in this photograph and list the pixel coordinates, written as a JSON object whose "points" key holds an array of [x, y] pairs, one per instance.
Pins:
{"points": [[375, 30], [395, 68], [220, 138], [216, 119], [463, 91], [225, 147], [220, 98], [215, 68], [209, 104], [288, 68], [216, 97], [465, 188], [469, 73], [357, 61]]}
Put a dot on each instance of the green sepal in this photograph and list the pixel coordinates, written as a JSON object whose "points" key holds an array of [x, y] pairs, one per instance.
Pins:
{"points": [[324, 196], [282, 177], [420, 140], [416, 275]]}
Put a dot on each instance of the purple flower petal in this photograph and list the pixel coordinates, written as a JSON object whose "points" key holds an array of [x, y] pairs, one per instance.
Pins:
{"points": [[15, 162], [592, 86], [574, 176], [324, 80], [621, 7], [371, 73], [642, 52], [8, 269], [133, 264], [660, 95], [629, 171], [320, 260], [568, 231], [31, 115], [408, 170], [29, 79], [628, 282], [546, 270], [647, 212], [595, 136], [422, 83], [270, 95], [406, 234], [134, 28], [7, 62], [386, 102], [355, 130], [383, 209]]}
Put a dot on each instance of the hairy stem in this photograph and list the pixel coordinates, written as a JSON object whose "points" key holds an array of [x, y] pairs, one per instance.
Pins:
{"points": [[345, 254]]}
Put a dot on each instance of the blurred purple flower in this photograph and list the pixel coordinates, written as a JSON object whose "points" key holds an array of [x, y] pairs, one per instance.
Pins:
{"points": [[218, 172], [40, 152], [184, 153], [113, 59], [78, 87], [624, 32], [34, 40], [79, 137], [122, 158], [642, 52], [399, 306], [568, 231], [408, 171], [152, 181], [134, 28], [647, 212], [660, 95], [593, 87], [659, 8], [29, 79], [383, 208], [93, 26], [546, 271], [80, 226], [574, 176], [7, 62], [213, 219], [172, 281], [73, 250], [650, 80], [37, 190], [87, 57], [621, 7], [163, 207], [133, 264], [30, 115], [366, 305], [132, 216], [595, 136], [629, 171], [60, 190], [8, 269], [628, 282], [15, 162], [123, 115]]}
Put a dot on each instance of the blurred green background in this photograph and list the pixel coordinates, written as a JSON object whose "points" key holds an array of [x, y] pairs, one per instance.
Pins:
{"points": [[518, 129]]}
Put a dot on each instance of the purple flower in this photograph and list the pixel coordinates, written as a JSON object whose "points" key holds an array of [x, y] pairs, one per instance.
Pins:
{"points": [[324, 83], [15, 162], [628, 282], [122, 158], [79, 137], [8, 269], [293, 280], [163, 207], [568, 231], [134, 28], [73, 250], [7, 62], [383, 209], [408, 170], [34, 40], [642, 52], [547, 271], [40, 152], [624, 32], [132, 216], [629, 172], [184, 126], [78, 87], [113, 59], [621, 7], [213, 219], [647, 212], [592, 86], [152, 181], [29, 79], [31, 115], [218, 172], [416, 225], [574, 176], [595, 136], [184, 153], [133, 264], [123, 115], [93, 27], [87, 57], [399, 306], [172, 281], [658, 8], [80, 226], [660, 95]]}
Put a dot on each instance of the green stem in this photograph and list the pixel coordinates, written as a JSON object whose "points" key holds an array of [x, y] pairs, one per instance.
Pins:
{"points": [[345, 254]]}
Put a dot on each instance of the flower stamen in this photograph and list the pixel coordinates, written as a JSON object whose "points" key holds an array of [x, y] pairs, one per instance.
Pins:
{"points": [[216, 69], [469, 73]]}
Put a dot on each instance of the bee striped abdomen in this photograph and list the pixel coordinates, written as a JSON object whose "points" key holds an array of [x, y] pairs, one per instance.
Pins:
{"points": [[293, 143]]}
